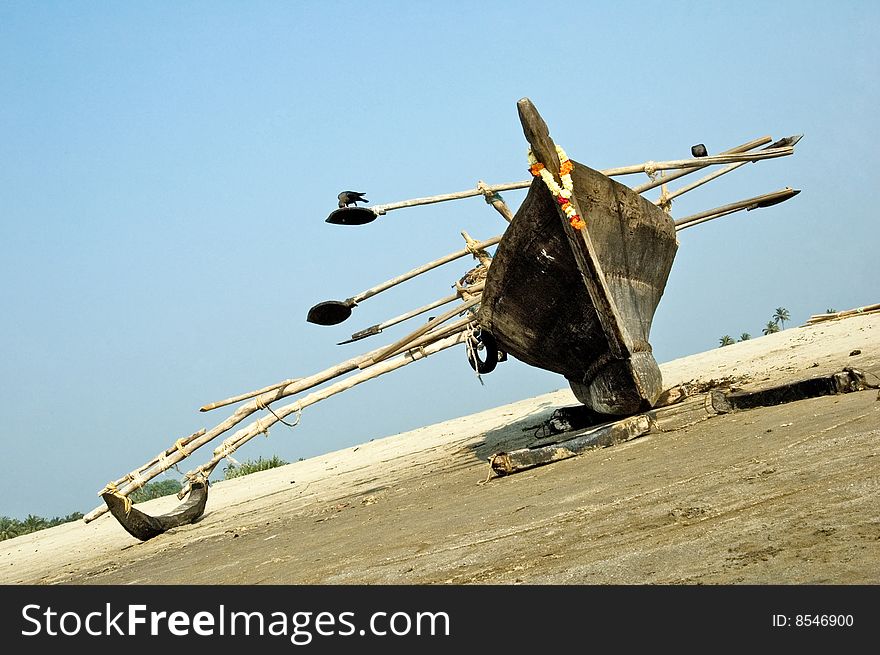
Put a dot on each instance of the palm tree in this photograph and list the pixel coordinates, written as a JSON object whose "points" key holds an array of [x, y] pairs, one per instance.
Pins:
{"points": [[33, 523], [9, 528], [155, 489], [771, 328], [725, 340], [745, 336], [781, 316]]}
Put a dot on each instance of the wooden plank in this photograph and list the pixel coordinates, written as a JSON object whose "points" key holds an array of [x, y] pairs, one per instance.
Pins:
{"points": [[867, 309], [690, 411], [846, 381], [598, 437]]}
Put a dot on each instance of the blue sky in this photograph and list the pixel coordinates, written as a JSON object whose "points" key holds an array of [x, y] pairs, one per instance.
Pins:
{"points": [[167, 169]]}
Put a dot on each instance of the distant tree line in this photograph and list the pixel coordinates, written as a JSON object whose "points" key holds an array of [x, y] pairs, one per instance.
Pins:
{"points": [[776, 323], [10, 527]]}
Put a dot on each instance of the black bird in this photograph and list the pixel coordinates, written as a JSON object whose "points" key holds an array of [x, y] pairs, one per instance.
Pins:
{"points": [[347, 198], [699, 150]]}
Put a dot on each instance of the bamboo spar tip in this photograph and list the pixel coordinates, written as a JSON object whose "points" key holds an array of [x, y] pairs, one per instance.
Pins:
{"points": [[247, 395]]}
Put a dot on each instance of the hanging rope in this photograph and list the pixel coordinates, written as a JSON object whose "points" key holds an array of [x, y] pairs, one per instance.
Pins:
{"points": [[472, 344], [179, 445], [112, 489], [290, 425], [258, 401]]}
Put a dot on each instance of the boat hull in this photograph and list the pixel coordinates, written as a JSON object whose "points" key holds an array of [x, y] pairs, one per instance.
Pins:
{"points": [[537, 305]]}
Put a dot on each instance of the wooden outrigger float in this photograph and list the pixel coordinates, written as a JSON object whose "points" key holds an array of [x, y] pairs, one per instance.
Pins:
{"points": [[571, 288]]}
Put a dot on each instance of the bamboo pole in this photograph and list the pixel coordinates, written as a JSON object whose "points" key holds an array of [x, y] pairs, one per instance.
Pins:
{"points": [[379, 327], [471, 250], [136, 477], [424, 268], [241, 413], [175, 455], [232, 443], [494, 198], [867, 309], [483, 189], [749, 204], [700, 162], [388, 351], [427, 200], [249, 394], [461, 325], [669, 196], [788, 141], [745, 147], [708, 218]]}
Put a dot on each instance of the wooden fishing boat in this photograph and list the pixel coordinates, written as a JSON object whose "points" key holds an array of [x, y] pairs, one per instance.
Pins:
{"points": [[572, 288], [580, 302]]}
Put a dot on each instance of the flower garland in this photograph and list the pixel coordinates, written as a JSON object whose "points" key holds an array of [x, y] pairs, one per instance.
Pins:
{"points": [[562, 194]]}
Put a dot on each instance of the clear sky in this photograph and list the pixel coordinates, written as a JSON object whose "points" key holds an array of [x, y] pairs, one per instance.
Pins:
{"points": [[167, 168]]}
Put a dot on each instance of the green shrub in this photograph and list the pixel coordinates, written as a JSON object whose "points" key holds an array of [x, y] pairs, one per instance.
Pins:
{"points": [[10, 527], [155, 490], [252, 466]]}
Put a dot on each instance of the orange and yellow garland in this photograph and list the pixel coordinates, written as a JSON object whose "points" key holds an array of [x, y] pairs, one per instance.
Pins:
{"points": [[561, 194]]}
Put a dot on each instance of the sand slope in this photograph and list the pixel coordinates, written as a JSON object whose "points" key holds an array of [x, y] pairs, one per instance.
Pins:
{"points": [[786, 494]]}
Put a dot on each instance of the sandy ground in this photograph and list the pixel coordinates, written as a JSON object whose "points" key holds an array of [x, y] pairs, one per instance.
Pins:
{"points": [[787, 494]]}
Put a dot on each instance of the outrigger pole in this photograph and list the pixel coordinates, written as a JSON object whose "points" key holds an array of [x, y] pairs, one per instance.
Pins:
{"points": [[114, 492], [748, 204], [758, 202], [377, 329], [419, 345], [332, 312], [738, 155]]}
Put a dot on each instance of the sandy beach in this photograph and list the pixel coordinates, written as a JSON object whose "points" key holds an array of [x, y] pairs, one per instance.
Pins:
{"points": [[787, 494]]}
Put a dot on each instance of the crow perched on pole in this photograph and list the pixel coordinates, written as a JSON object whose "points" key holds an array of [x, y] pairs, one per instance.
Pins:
{"points": [[699, 150], [347, 198]]}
